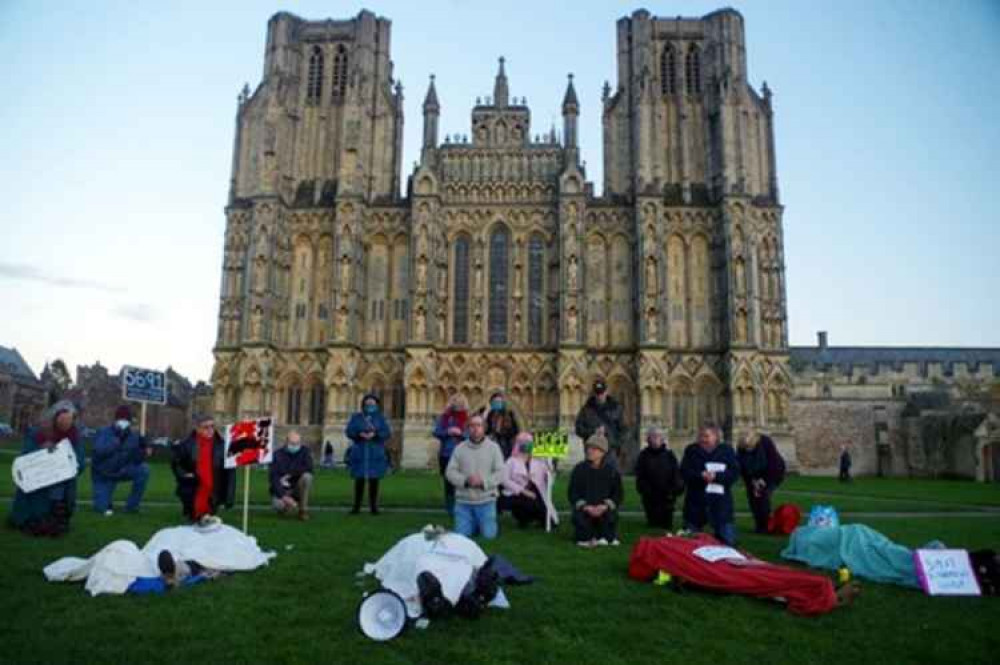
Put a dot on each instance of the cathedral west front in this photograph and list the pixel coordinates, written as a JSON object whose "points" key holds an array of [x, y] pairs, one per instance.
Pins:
{"points": [[493, 265]]}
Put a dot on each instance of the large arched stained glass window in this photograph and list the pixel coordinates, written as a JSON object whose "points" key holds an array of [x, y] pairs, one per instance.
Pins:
{"points": [[460, 333], [536, 294], [499, 292], [314, 83]]}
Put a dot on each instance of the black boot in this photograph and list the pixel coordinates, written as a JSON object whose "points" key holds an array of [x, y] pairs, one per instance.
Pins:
{"points": [[60, 518]]}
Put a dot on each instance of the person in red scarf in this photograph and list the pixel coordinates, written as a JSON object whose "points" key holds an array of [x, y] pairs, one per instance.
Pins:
{"points": [[203, 482]]}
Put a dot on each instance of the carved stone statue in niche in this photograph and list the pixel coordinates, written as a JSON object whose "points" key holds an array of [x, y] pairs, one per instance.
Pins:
{"points": [[421, 285], [478, 282], [572, 276], [339, 324], [422, 243], [571, 324], [571, 239], [651, 330], [477, 334], [419, 324], [345, 273], [260, 275], [741, 277], [652, 287], [741, 327], [256, 321], [441, 325], [517, 327]]}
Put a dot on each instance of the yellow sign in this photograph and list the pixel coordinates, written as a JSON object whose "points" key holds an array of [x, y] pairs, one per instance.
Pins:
{"points": [[551, 443]]}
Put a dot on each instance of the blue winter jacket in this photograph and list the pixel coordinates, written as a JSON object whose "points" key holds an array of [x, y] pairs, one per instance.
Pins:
{"points": [[117, 452], [700, 507], [367, 457]]}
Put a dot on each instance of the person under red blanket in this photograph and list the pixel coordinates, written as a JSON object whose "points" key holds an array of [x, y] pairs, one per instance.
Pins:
{"points": [[807, 594]]}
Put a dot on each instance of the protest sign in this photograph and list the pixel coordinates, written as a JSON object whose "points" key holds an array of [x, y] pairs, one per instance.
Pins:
{"points": [[551, 444], [946, 573], [44, 468]]}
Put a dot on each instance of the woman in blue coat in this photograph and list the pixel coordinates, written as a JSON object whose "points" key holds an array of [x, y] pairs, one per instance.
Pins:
{"points": [[366, 458]]}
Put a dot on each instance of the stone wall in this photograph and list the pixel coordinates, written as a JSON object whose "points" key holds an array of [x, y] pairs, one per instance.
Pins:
{"points": [[822, 425]]}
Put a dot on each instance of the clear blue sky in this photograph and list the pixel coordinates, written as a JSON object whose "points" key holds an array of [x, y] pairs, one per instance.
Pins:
{"points": [[117, 125]]}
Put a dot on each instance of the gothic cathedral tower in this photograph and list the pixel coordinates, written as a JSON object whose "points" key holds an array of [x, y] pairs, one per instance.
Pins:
{"points": [[500, 268]]}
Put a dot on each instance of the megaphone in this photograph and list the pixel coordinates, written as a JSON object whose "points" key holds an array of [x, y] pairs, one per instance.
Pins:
{"points": [[382, 615]]}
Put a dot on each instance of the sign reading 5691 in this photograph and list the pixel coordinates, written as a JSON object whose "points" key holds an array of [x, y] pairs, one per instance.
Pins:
{"points": [[144, 385]]}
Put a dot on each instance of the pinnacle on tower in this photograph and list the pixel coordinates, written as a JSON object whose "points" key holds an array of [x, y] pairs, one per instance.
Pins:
{"points": [[501, 93], [431, 100]]}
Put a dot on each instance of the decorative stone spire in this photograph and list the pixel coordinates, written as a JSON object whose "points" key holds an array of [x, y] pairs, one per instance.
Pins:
{"points": [[570, 109], [501, 93], [431, 111], [431, 100], [570, 103]]}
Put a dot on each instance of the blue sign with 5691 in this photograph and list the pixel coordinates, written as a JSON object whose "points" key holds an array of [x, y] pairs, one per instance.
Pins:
{"points": [[144, 385]]}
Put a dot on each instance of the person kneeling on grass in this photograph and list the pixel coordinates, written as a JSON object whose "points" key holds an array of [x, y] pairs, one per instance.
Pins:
{"points": [[476, 470], [526, 481], [291, 476], [203, 482], [120, 455], [595, 492]]}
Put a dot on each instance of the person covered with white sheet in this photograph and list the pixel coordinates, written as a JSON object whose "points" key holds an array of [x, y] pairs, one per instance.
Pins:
{"points": [[709, 469]]}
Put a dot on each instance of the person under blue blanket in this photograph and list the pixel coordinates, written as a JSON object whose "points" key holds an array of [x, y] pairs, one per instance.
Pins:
{"points": [[866, 552]]}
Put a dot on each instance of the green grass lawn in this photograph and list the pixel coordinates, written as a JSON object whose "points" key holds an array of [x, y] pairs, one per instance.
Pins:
{"points": [[583, 608]]}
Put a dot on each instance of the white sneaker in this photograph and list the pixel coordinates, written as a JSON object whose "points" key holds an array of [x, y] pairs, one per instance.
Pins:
{"points": [[602, 543], [586, 544], [109, 512], [615, 542]]}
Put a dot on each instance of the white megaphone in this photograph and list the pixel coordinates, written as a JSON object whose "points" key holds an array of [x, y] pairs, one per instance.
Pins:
{"points": [[382, 615]]}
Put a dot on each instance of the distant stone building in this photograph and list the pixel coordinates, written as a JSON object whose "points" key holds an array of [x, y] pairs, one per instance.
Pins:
{"points": [[99, 393], [22, 395], [905, 411], [498, 267]]}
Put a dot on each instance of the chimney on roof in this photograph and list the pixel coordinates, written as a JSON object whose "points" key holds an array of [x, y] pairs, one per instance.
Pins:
{"points": [[821, 338]]}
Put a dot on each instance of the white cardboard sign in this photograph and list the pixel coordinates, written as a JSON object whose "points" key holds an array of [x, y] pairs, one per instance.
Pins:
{"points": [[44, 468], [946, 573]]}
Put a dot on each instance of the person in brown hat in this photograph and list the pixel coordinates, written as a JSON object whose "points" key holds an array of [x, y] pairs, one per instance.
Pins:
{"points": [[595, 492]]}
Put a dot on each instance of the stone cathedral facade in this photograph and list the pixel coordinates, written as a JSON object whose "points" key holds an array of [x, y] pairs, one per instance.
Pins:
{"points": [[494, 265]]}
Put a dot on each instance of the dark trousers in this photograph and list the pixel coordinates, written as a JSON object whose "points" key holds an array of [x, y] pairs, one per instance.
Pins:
{"points": [[526, 510], [588, 528], [659, 509], [760, 506], [845, 475], [359, 490]]}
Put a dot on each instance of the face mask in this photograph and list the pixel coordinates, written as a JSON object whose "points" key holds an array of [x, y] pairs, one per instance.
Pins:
{"points": [[371, 409], [294, 448], [497, 405], [526, 448], [122, 424]]}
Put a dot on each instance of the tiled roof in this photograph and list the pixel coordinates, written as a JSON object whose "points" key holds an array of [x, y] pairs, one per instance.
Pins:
{"points": [[11, 361], [895, 356]]}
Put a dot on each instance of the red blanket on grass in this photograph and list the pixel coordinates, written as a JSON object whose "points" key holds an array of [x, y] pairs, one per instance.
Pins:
{"points": [[806, 593]]}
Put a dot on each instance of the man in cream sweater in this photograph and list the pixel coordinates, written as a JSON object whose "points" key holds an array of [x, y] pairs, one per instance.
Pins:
{"points": [[476, 470]]}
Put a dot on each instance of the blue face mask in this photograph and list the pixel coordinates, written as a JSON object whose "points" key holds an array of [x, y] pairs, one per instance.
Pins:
{"points": [[294, 448], [497, 405], [371, 409]]}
